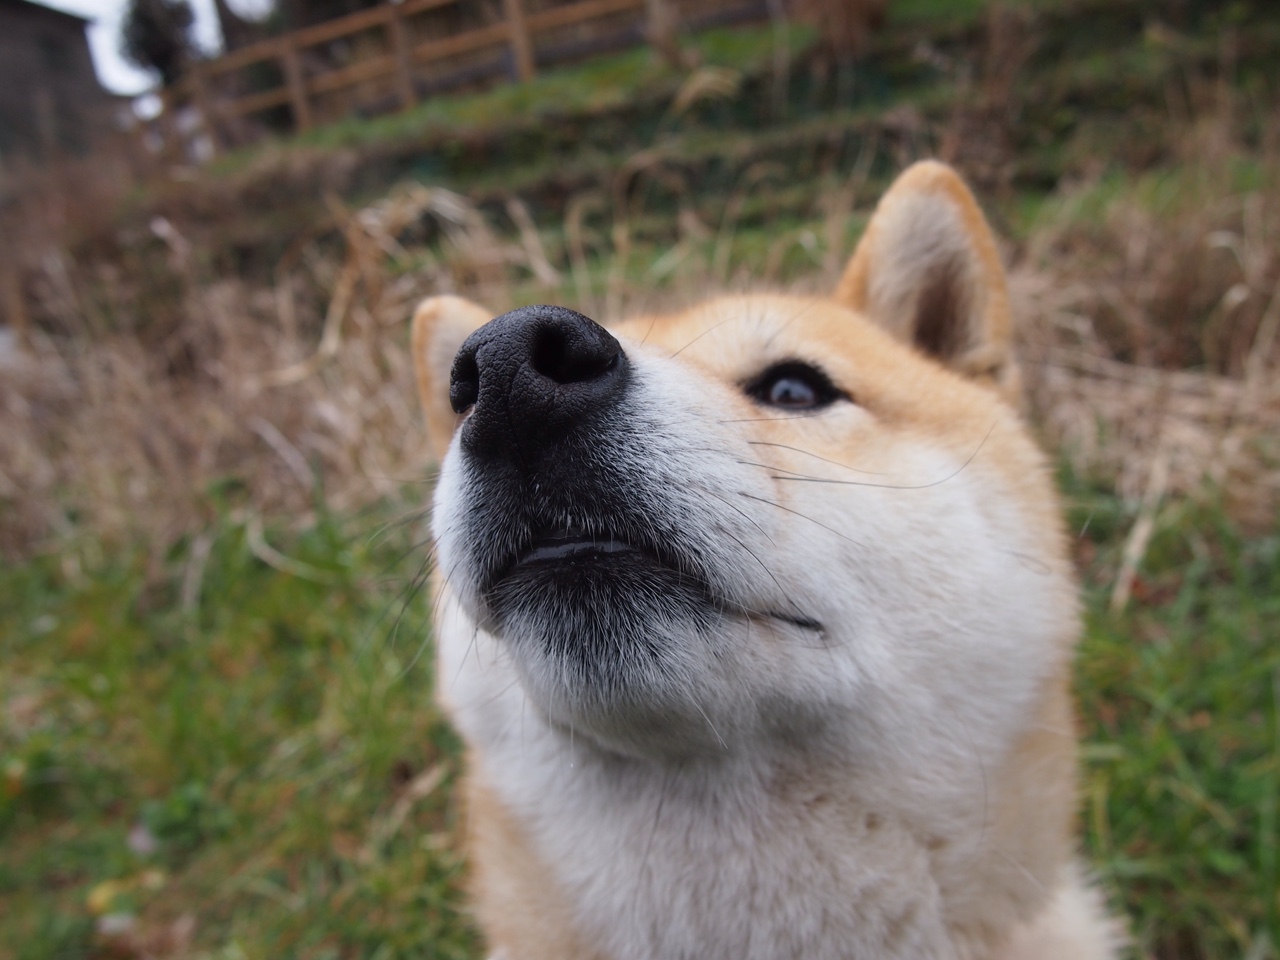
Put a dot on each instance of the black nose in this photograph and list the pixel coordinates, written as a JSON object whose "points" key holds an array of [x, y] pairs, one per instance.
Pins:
{"points": [[532, 376]]}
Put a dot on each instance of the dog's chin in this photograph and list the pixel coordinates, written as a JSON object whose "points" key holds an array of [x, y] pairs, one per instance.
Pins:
{"points": [[611, 643]]}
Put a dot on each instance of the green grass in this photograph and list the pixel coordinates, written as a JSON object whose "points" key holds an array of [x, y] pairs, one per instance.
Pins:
{"points": [[1181, 704], [1167, 193], [263, 742], [953, 13]]}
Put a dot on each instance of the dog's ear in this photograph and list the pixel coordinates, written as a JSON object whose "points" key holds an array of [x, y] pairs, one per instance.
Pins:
{"points": [[440, 324], [927, 270]]}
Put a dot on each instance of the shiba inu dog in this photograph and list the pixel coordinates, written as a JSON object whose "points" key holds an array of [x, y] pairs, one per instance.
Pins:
{"points": [[757, 619]]}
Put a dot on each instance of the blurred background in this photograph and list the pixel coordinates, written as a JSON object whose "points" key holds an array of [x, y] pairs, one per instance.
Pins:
{"points": [[217, 733]]}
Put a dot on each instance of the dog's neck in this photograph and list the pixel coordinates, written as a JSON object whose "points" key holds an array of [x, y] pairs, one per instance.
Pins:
{"points": [[654, 851]]}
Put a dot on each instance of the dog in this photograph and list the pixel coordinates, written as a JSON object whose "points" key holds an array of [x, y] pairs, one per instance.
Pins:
{"points": [[757, 619]]}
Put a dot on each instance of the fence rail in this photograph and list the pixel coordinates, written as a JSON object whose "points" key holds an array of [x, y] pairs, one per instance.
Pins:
{"points": [[401, 66]]}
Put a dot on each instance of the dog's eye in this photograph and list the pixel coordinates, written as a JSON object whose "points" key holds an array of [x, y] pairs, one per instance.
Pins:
{"points": [[793, 385], [791, 392]]}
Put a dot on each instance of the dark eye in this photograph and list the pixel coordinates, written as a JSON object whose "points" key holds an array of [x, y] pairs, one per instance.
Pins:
{"points": [[793, 385], [791, 392]]}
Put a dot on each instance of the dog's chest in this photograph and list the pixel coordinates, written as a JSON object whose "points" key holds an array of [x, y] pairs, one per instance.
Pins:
{"points": [[726, 863]]}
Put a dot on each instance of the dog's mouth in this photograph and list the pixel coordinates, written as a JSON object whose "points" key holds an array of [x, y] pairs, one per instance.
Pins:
{"points": [[573, 545], [568, 551], [574, 555]]}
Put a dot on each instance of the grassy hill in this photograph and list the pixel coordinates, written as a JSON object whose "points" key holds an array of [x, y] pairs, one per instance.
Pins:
{"points": [[217, 734]]}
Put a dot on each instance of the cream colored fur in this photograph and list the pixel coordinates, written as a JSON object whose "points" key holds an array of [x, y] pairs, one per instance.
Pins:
{"points": [[899, 785]]}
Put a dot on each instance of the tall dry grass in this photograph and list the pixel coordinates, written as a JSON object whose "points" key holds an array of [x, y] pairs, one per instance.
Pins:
{"points": [[1155, 323], [1150, 329], [250, 398]]}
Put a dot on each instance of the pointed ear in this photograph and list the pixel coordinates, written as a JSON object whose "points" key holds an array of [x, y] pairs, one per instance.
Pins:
{"points": [[928, 271], [440, 324]]}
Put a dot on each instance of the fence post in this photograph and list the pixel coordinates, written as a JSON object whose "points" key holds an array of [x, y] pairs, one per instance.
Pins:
{"points": [[15, 307], [174, 148], [297, 85], [521, 46], [400, 48], [200, 97], [661, 32]]}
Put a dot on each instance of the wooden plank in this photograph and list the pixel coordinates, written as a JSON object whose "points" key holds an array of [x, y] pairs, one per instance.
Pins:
{"points": [[15, 304], [238, 59], [344, 26], [417, 6], [381, 66], [369, 69], [363, 20], [462, 43], [521, 43], [204, 106], [297, 85], [590, 10], [264, 100], [309, 36], [399, 37]]}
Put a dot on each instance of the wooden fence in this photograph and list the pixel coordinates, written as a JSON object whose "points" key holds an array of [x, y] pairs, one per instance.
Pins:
{"points": [[389, 63]]}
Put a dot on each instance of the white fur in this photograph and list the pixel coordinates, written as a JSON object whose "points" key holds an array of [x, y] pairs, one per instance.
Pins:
{"points": [[943, 612]]}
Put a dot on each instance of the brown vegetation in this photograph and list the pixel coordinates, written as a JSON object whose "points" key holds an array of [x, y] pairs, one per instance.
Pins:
{"points": [[159, 387], [258, 393], [846, 26]]}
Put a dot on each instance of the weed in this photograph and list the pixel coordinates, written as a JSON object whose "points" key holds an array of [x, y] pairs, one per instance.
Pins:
{"points": [[1181, 695], [271, 766]]}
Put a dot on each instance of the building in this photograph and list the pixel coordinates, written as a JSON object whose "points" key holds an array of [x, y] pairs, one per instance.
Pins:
{"points": [[50, 98]]}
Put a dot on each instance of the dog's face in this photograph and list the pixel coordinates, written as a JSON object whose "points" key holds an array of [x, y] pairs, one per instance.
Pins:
{"points": [[766, 520]]}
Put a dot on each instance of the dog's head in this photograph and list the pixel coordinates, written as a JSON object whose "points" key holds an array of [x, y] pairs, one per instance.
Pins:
{"points": [[767, 518]]}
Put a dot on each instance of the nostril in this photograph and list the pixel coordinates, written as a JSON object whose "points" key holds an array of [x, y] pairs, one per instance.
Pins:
{"points": [[563, 354], [531, 377], [464, 382]]}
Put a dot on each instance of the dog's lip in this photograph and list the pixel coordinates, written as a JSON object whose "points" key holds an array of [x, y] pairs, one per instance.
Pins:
{"points": [[566, 544], [570, 544]]}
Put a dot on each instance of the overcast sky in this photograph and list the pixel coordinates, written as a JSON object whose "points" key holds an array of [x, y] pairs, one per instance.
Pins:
{"points": [[104, 36]]}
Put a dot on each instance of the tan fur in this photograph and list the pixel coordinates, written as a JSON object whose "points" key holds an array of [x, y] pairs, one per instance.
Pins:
{"points": [[525, 915], [929, 226], [1013, 892], [517, 903], [439, 325]]}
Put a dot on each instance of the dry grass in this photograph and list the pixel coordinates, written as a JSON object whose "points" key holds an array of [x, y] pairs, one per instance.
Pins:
{"points": [[1151, 312], [125, 433], [1153, 346], [846, 25]]}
